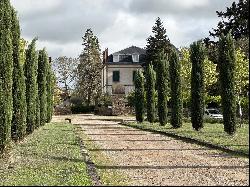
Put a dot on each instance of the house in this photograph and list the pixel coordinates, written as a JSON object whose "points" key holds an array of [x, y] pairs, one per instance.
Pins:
{"points": [[119, 69]]}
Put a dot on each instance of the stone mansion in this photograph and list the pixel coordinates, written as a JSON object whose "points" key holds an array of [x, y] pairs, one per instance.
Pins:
{"points": [[119, 69]]}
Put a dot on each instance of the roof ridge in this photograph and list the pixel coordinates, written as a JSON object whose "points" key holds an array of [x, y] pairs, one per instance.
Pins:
{"points": [[126, 50]]}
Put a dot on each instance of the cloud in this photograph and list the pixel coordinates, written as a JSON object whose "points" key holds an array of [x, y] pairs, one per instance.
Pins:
{"points": [[60, 24]]}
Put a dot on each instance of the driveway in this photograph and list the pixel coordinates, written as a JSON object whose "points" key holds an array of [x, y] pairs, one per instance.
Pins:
{"points": [[148, 158]]}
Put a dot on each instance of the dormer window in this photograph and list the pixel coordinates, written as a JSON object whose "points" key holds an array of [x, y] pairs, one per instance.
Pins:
{"points": [[115, 58], [125, 58], [135, 57]]}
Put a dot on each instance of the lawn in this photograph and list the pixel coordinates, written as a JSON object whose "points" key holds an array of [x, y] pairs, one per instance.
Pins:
{"points": [[50, 156], [211, 133]]}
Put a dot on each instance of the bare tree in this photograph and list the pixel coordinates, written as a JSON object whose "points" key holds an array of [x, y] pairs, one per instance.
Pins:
{"points": [[65, 69]]}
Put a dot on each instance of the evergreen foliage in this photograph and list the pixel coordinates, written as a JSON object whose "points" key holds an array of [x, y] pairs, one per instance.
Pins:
{"points": [[150, 91], [226, 64], [31, 65], [18, 128], [42, 84], [6, 70], [88, 81], [162, 82], [139, 96], [175, 84], [235, 18], [157, 42], [50, 85], [197, 57]]}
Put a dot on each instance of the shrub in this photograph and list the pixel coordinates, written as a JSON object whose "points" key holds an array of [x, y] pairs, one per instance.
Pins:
{"points": [[82, 109]]}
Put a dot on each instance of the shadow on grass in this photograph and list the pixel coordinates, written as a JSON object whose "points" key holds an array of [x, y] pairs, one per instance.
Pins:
{"points": [[127, 140], [62, 158], [118, 134], [153, 149], [171, 167]]}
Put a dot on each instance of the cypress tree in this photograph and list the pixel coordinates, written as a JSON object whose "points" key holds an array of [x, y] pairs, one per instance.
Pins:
{"points": [[42, 84], [197, 57], [175, 84], [226, 64], [6, 70], [18, 128], [50, 85], [162, 82], [38, 118], [139, 96], [150, 91], [31, 64]]}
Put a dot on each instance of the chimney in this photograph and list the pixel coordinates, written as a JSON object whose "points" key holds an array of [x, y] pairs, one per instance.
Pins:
{"points": [[105, 55]]}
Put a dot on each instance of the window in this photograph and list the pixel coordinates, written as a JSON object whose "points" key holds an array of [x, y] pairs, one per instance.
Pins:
{"points": [[125, 58], [134, 72], [116, 76], [115, 58], [135, 57]]}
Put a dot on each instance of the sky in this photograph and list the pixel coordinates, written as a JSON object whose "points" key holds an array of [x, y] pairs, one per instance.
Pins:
{"points": [[118, 24]]}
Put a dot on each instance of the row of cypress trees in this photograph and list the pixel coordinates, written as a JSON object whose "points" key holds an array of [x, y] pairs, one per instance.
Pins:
{"points": [[168, 73], [25, 81], [166, 67]]}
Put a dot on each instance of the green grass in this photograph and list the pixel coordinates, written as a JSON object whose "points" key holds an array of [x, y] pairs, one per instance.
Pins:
{"points": [[211, 133], [48, 157], [108, 177]]}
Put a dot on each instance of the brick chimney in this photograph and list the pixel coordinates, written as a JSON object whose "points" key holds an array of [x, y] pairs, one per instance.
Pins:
{"points": [[105, 55]]}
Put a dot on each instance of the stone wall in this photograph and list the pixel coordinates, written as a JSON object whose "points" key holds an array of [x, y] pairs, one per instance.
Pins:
{"points": [[119, 105]]}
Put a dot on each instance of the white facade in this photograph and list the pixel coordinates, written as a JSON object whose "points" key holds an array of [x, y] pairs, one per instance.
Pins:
{"points": [[126, 73]]}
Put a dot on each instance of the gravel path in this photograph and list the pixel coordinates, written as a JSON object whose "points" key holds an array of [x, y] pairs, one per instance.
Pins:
{"points": [[152, 159]]}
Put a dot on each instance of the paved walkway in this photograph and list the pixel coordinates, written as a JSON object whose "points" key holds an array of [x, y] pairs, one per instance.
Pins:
{"points": [[152, 159]]}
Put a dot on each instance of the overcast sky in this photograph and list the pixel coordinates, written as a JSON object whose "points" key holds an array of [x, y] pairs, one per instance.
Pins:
{"points": [[60, 24]]}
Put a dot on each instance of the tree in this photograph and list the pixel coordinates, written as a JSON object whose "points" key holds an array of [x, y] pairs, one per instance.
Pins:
{"points": [[18, 128], [241, 78], [197, 57], [186, 67], [66, 71], [175, 83], [150, 91], [43, 62], [6, 70], [50, 91], [235, 19], [210, 78], [157, 42], [31, 65], [139, 96], [162, 82], [210, 81], [89, 69], [226, 64]]}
